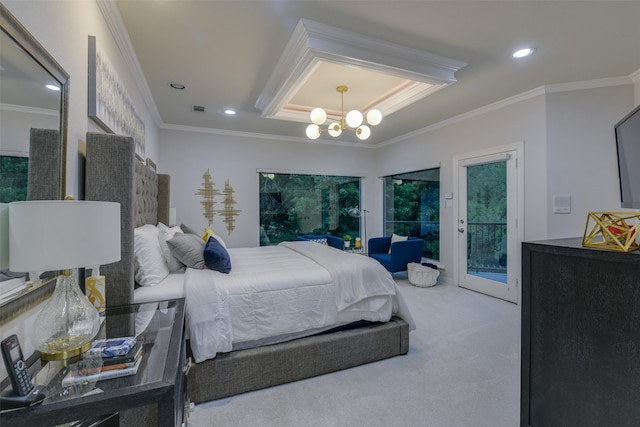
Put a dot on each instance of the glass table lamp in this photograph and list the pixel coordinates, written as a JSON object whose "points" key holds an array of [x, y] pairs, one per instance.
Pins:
{"points": [[53, 235]]}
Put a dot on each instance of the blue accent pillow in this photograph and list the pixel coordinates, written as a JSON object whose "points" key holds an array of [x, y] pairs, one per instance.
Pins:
{"points": [[216, 256]]}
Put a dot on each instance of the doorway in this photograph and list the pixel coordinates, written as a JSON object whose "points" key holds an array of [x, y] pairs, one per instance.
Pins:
{"points": [[489, 221]]}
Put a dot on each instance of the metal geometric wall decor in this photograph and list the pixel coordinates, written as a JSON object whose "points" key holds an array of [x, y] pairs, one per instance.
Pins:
{"points": [[229, 212], [209, 192]]}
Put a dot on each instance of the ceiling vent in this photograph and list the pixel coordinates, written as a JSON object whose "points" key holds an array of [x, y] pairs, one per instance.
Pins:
{"points": [[197, 108]]}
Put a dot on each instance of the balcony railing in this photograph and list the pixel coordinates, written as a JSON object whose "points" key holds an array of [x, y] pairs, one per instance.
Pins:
{"points": [[487, 247], [486, 242]]}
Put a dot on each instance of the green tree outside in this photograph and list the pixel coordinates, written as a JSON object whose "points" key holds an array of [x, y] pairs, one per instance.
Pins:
{"points": [[296, 204], [14, 172]]}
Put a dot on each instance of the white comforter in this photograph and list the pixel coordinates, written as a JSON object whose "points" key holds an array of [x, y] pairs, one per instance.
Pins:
{"points": [[290, 290]]}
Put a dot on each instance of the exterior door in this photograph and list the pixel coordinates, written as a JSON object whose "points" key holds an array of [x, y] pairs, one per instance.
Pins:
{"points": [[488, 239]]}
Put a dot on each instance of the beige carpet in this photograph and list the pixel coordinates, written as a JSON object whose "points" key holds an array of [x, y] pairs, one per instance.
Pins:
{"points": [[462, 370]]}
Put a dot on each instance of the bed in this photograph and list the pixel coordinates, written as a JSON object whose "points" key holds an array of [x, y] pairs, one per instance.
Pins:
{"points": [[362, 319]]}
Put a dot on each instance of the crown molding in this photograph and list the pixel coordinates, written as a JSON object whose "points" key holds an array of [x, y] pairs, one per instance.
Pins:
{"points": [[278, 138], [542, 90], [340, 45], [313, 42], [30, 110], [588, 84], [119, 32]]}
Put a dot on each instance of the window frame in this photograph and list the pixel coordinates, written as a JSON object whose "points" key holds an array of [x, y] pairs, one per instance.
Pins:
{"points": [[431, 228], [332, 218]]}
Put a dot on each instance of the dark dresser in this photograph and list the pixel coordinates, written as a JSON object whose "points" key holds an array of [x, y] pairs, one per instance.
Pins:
{"points": [[580, 336]]}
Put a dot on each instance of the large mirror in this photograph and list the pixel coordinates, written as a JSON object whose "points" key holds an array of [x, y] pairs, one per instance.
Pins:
{"points": [[34, 92]]}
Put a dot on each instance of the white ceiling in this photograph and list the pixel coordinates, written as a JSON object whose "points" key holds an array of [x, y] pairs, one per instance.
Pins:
{"points": [[225, 52]]}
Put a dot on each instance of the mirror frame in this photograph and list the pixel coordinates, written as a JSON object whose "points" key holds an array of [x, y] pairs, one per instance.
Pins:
{"points": [[16, 31]]}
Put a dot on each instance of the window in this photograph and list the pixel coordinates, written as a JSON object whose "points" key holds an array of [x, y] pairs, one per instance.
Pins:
{"points": [[412, 207], [13, 178], [296, 204]]}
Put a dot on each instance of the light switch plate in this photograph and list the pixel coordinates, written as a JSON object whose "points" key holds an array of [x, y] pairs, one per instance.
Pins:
{"points": [[562, 204]]}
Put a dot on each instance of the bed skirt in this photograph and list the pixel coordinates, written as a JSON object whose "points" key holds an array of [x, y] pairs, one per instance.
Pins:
{"points": [[241, 371]]}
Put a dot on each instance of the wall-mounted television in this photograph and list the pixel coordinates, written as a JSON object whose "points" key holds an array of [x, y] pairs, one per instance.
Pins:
{"points": [[628, 146]]}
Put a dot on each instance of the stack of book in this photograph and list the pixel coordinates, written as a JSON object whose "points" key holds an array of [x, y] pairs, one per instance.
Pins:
{"points": [[120, 357]]}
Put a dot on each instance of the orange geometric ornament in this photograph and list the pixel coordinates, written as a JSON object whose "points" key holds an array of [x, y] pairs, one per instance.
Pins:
{"points": [[612, 230]]}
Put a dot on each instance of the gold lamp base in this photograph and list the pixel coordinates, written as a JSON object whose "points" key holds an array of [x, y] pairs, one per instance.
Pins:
{"points": [[612, 230], [63, 348]]}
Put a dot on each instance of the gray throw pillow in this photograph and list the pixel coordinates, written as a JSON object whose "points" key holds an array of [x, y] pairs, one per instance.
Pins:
{"points": [[188, 249], [187, 229]]}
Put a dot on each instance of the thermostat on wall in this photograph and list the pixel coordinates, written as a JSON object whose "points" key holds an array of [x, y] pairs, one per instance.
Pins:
{"points": [[562, 204]]}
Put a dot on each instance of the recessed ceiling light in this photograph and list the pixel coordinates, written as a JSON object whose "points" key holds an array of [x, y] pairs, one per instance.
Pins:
{"points": [[52, 87], [523, 52], [177, 86], [230, 112]]}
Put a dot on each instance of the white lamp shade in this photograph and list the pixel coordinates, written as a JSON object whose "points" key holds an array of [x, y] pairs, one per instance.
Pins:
{"points": [[354, 118], [318, 116], [374, 117], [335, 129], [313, 131], [363, 132], [48, 235]]}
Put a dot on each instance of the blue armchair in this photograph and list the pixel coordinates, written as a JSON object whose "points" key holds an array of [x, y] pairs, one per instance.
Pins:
{"points": [[334, 241], [395, 256]]}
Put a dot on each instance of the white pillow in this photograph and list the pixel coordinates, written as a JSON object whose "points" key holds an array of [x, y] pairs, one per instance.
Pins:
{"points": [[165, 234], [150, 266], [397, 238]]}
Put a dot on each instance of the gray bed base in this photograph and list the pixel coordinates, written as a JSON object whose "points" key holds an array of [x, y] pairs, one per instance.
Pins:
{"points": [[113, 174], [252, 369]]}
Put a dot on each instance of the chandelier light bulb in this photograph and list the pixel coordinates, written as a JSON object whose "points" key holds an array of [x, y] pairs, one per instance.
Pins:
{"points": [[363, 132], [313, 131], [354, 118], [374, 117], [335, 129], [318, 116]]}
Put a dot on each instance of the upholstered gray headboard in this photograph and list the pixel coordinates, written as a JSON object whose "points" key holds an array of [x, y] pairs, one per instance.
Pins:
{"points": [[44, 165], [113, 173]]}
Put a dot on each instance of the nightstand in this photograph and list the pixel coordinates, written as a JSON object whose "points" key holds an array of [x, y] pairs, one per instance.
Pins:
{"points": [[158, 382]]}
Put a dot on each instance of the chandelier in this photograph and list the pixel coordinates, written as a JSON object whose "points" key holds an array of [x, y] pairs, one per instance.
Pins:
{"points": [[352, 121]]}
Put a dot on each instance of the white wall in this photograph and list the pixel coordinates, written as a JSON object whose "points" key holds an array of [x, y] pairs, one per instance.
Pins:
{"points": [[186, 156], [581, 155], [567, 138], [16, 127], [498, 126], [63, 27]]}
